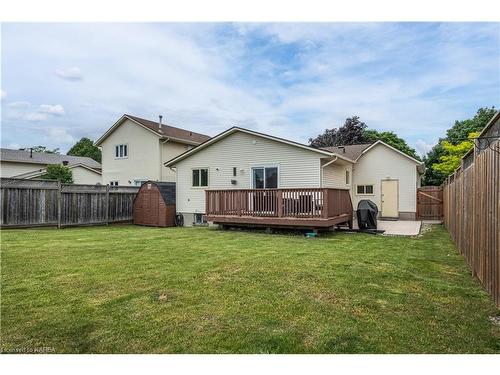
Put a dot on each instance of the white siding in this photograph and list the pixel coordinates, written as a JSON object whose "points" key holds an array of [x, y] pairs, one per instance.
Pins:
{"points": [[170, 150], [143, 161], [11, 169], [383, 163], [297, 167], [85, 176], [334, 175]]}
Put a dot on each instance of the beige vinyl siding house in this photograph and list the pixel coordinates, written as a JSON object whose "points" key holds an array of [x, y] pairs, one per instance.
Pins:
{"points": [[134, 150], [231, 161], [233, 158], [87, 176], [243, 151], [31, 165], [381, 163], [12, 169]]}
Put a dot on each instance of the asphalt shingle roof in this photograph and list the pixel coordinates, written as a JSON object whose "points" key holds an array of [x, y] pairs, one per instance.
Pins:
{"points": [[45, 158], [171, 131], [349, 151]]}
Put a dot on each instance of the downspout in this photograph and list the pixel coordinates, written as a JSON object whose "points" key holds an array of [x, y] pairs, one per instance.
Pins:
{"points": [[161, 157], [323, 166]]}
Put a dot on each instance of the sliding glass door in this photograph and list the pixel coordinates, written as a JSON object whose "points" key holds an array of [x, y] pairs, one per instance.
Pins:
{"points": [[265, 177]]}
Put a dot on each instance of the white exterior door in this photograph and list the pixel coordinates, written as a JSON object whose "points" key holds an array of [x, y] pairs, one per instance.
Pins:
{"points": [[389, 198]]}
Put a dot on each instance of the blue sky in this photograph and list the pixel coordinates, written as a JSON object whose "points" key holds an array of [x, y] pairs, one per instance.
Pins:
{"points": [[61, 82]]}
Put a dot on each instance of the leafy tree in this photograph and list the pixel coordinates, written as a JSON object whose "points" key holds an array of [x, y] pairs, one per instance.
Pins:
{"points": [[348, 134], [58, 172], [461, 129], [431, 176], [453, 154], [391, 139], [455, 135], [41, 149], [355, 131], [85, 147]]}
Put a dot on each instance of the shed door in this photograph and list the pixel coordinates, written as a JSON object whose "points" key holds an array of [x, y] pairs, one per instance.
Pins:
{"points": [[389, 198]]}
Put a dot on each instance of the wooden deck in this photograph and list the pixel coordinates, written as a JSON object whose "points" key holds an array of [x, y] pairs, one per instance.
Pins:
{"points": [[297, 208]]}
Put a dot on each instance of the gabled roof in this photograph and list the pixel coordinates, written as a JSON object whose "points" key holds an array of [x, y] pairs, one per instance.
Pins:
{"points": [[235, 129], [350, 151], [392, 148], [39, 172], [166, 189], [21, 156], [167, 131]]}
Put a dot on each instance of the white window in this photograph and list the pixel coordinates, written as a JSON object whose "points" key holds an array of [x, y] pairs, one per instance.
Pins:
{"points": [[199, 219], [364, 189], [265, 177], [121, 151], [347, 177], [139, 182], [200, 177], [113, 183]]}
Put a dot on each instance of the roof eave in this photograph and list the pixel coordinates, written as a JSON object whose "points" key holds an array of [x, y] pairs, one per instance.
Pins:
{"points": [[180, 140], [99, 141], [234, 129]]}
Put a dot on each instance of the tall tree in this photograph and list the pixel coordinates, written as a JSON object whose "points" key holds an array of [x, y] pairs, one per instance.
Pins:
{"points": [[85, 147], [461, 129], [348, 134], [452, 156], [355, 131], [391, 139], [431, 176], [58, 172], [40, 148], [456, 134]]}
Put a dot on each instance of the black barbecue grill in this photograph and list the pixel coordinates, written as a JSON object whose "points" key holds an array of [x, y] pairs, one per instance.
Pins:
{"points": [[367, 214]]}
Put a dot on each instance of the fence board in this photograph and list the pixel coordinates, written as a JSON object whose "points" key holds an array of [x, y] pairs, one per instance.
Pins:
{"points": [[430, 203], [27, 203], [471, 200]]}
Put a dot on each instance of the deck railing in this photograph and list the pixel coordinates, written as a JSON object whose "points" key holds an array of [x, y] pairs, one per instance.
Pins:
{"points": [[313, 203]]}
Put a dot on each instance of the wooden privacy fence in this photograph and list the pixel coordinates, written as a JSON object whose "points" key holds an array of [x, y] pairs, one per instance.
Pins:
{"points": [[471, 215], [28, 203], [430, 203]]}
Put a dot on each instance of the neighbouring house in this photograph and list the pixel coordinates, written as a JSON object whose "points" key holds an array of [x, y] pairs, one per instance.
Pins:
{"points": [[218, 174], [134, 150], [32, 165]]}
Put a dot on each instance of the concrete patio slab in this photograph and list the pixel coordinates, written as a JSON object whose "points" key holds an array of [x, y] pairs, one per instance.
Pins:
{"points": [[397, 227]]}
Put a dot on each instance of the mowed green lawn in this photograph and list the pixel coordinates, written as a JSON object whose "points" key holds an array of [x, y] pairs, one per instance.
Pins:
{"points": [[130, 289]]}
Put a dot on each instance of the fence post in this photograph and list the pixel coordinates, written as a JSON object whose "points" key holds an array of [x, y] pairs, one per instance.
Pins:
{"points": [[107, 204], [59, 203]]}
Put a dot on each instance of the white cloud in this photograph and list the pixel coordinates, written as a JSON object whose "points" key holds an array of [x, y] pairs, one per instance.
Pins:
{"points": [[70, 74], [3, 94], [291, 80], [19, 104], [60, 135], [14, 146], [57, 110], [422, 147], [35, 117]]}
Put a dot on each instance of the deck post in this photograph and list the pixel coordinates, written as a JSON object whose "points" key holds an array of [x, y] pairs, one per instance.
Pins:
{"points": [[240, 201], [325, 203], [207, 211], [280, 203]]}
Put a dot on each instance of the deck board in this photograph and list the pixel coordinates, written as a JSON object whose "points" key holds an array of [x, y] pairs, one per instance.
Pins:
{"points": [[295, 222]]}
